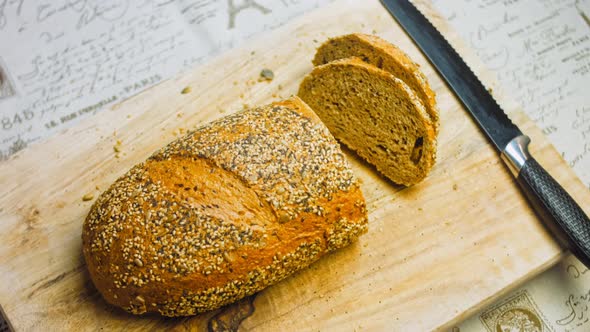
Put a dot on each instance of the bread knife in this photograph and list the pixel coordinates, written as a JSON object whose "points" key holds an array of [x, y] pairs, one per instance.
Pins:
{"points": [[554, 206]]}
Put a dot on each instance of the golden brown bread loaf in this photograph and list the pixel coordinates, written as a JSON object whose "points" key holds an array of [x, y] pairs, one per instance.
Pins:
{"points": [[223, 212], [375, 114], [384, 55]]}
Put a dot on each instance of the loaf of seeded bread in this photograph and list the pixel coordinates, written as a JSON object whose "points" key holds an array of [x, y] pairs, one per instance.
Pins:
{"points": [[223, 212], [375, 114], [384, 55]]}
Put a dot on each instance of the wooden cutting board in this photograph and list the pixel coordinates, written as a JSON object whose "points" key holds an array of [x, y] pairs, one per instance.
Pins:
{"points": [[434, 253]]}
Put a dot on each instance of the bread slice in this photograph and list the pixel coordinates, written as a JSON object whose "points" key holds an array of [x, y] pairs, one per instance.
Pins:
{"points": [[223, 212], [375, 114], [382, 54]]}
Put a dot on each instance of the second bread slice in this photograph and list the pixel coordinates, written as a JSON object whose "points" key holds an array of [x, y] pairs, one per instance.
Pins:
{"points": [[375, 114]]}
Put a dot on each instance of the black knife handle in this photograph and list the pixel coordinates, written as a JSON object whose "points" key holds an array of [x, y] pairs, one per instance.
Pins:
{"points": [[557, 209]]}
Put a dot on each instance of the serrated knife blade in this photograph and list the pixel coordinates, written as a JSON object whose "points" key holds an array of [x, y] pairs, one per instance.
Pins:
{"points": [[555, 207]]}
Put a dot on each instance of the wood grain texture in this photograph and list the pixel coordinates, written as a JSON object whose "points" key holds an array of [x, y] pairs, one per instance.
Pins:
{"points": [[434, 252]]}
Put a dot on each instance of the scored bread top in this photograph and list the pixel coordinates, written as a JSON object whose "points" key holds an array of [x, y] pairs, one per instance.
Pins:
{"points": [[384, 55], [375, 114], [223, 212]]}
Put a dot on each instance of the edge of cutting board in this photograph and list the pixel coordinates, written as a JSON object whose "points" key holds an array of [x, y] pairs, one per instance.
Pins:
{"points": [[377, 282]]}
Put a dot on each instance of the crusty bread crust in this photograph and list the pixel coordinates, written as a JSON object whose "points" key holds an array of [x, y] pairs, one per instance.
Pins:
{"points": [[223, 212], [384, 55], [375, 114]]}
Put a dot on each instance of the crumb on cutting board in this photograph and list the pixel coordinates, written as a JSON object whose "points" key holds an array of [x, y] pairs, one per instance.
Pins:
{"points": [[88, 197], [179, 131], [186, 90], [267, 74], [117, 146]]}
